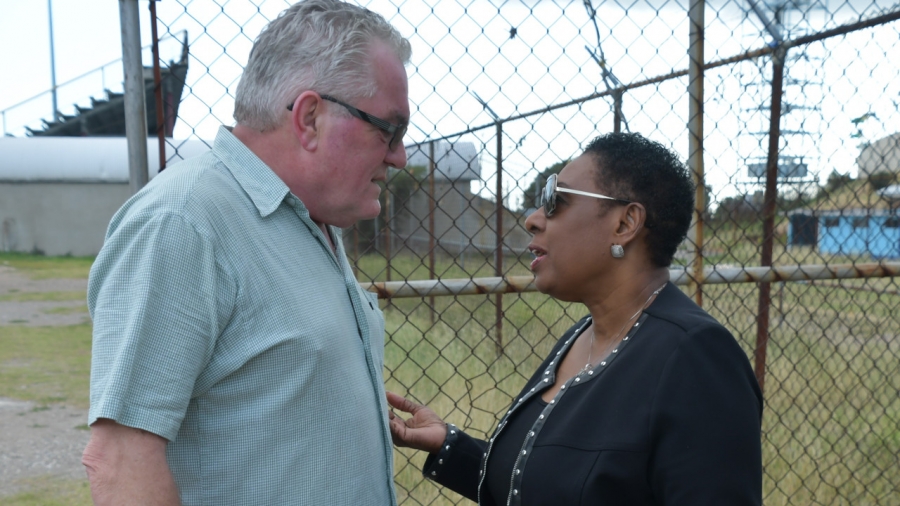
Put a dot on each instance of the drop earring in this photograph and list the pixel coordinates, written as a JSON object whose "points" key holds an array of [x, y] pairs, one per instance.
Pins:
{"points": [[617, 251]]}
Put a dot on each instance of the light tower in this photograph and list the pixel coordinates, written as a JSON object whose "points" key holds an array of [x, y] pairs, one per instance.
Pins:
{"points": [[801, 115]]}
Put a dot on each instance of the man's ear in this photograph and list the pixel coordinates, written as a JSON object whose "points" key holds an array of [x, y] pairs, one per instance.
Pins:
{"points": [[306, 119]]}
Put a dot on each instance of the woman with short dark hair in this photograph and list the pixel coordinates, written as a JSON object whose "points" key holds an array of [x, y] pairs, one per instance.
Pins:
{"points": [[647, 400]]}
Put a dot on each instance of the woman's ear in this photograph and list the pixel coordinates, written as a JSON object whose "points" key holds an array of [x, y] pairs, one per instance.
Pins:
{"points": [[631, 222], [306, 119]]}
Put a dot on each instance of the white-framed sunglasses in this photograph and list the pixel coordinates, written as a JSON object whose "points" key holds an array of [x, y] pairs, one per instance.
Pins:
{"points": [[548, 195]]}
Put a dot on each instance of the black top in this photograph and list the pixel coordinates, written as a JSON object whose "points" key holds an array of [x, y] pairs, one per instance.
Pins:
{"points": [[507, 448], [672, 417]]}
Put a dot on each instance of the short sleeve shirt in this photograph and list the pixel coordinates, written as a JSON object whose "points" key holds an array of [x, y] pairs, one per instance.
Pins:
{"points": [[225, 323]]}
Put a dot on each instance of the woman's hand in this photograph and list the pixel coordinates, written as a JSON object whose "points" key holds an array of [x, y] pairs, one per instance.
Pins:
{"points": [[424, 431]]}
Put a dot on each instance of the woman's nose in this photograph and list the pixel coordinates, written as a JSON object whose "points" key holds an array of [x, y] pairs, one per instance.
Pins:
{"points": [[535, 221]]}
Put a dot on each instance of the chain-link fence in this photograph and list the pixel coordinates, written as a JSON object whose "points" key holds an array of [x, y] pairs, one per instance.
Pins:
{"points": [[796, 240]]}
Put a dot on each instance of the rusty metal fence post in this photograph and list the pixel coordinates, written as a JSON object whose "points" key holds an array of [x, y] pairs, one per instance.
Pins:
{"points": [[695, 140], [769, 207], [157, 89], [432, 207], [617, 109], [498, 261]]}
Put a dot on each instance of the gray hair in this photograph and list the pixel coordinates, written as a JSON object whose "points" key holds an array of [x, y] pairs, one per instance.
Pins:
{"points": [[320, 45]]}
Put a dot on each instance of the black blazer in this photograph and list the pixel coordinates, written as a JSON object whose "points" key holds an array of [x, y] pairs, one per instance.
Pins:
{"points": [[672, 418]]}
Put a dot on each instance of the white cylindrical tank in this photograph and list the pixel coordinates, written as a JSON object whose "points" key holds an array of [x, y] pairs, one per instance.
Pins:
{"points": [[83, 159]]}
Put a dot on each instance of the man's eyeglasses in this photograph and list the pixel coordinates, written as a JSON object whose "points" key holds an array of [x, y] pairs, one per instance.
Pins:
{"points": [[548, 196], [395, 131]]}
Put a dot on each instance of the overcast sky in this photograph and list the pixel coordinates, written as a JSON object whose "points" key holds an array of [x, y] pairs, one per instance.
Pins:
{"points": [[465, 48], [86, 36]]}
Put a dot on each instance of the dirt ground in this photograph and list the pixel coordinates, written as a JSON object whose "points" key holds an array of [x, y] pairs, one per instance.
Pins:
{"points": [[39, 440], [38, 313]]}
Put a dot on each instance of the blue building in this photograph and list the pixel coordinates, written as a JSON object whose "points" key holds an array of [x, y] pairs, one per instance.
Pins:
{"points": [[871, 227]]}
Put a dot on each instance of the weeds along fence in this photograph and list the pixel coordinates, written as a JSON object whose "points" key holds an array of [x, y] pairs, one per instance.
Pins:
{"points": [[787, 113]]}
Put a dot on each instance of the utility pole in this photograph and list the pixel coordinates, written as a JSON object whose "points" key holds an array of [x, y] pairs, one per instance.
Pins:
{"points": [[55, 115], [135, 101]]}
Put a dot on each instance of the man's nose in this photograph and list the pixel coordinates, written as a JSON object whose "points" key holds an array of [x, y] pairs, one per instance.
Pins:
{"points": [[396, 157]]}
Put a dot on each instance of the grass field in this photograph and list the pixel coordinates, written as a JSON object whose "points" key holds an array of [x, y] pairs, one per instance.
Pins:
{"points": [[832, 415], [47, 365], [49, 491], [42, 267]]}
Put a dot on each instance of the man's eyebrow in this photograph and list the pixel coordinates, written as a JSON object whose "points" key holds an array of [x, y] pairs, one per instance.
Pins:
{"points": [[397, 117]]}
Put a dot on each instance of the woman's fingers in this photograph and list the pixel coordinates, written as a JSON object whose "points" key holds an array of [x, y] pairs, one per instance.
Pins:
{"points": [[402, 403]]}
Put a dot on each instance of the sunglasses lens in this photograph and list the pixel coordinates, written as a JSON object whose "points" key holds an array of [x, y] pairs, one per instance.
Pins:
{"points": [[547, 196], [397, 138]]}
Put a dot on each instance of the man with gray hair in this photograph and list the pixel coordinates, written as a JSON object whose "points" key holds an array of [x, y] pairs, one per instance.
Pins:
{"points": [[236, 360]]}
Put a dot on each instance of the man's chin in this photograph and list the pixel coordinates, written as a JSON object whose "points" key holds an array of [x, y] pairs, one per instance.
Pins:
{"points": [[368, 214], [374, 214]]}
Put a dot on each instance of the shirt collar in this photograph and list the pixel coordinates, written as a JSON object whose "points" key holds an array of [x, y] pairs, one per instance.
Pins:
{"points": [[262, 185]]}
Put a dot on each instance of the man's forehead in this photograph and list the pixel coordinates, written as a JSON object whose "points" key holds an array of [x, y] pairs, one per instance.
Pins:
{"points": [[392, 104], [392, 83]]}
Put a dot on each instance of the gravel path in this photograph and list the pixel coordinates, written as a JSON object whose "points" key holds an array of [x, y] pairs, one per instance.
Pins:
{"points": [[39, 440], [39, 313]]}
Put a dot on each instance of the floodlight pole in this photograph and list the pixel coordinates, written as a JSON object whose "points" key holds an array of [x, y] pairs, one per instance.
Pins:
{"points": [[135, 101], [52, 61], [771, 26], [608, 78]]}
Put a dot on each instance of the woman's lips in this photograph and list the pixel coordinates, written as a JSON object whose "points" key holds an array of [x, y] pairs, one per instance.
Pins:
{"points": [[539, 255]]}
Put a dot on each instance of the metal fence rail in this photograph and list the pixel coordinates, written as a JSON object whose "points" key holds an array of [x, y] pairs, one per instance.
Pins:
{"points": [[787, 113], [747, 92], [711, 275]]}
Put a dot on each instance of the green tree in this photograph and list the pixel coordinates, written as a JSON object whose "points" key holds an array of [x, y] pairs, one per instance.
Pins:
{"points": [[402, 183], [533, 191], [836, 180], [881, 180]]}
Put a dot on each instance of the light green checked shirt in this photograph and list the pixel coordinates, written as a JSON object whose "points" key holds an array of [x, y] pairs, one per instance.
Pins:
{"points": [[224, 323]]}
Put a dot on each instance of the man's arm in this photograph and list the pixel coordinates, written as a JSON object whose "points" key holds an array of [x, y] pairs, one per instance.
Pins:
{"points": [[128, 466]]}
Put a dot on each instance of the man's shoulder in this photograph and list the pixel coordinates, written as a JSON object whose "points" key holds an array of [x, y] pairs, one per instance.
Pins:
{"points": [[200, 192], [190, 188], [192, 175]]}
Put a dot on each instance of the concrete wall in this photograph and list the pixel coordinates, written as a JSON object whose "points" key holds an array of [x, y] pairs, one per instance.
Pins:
{"points": [[57, 194], [57, 218], [462, 222]]}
